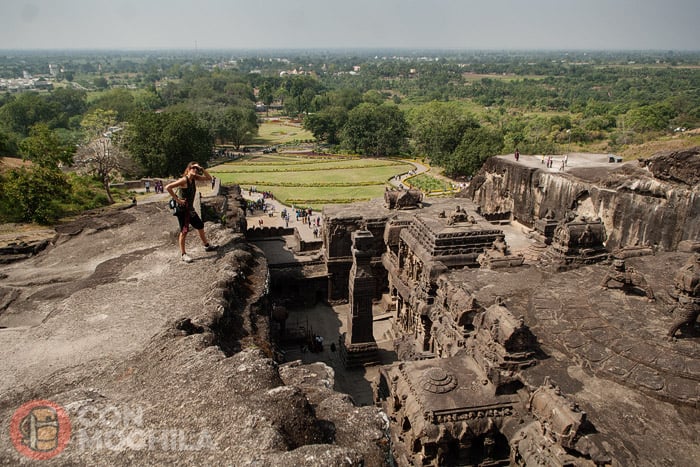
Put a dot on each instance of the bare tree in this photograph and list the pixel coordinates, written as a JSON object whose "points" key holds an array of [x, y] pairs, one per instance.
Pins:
{"points": [[102, 153]]}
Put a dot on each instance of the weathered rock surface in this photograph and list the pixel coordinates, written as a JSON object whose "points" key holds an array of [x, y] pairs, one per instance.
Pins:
{"points": [[158, 362], [656, 204]]}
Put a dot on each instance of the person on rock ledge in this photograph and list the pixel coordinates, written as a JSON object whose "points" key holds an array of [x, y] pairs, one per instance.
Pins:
{"points": [[186, 215]]}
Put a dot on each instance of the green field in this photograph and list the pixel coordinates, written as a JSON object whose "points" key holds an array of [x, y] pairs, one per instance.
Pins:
{"points": [[274, 132], [428, 183], [312, 180]]}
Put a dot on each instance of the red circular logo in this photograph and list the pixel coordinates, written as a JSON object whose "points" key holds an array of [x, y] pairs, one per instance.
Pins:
{"points": [[40, 429]]}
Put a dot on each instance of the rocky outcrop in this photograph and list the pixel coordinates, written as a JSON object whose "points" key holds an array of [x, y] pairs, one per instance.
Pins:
{"points": [[676, 166], [655, 203], [152, 361]]}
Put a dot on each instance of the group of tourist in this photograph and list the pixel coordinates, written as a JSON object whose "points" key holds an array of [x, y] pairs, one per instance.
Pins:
{"points": [[549, 161], [157, 186]]}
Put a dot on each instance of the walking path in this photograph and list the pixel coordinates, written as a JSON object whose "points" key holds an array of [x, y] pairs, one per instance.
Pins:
{"points": [[273, 217], [419, 169]]}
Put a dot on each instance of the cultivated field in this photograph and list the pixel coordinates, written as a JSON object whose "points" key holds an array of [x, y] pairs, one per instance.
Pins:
{"points": [[312, 180]]}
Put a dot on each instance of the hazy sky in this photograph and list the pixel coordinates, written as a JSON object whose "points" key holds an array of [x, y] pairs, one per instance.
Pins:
{"points": [[323, 24]]}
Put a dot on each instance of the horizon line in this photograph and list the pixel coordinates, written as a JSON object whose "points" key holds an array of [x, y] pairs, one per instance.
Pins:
{"points": [[346, 48]]}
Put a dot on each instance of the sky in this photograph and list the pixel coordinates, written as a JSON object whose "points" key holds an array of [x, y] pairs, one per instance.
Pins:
{"points": [[347, 24]]}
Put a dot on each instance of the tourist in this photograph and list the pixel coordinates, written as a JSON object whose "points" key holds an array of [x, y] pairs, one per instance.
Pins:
{"points": [[517, 154], [186, 215]]}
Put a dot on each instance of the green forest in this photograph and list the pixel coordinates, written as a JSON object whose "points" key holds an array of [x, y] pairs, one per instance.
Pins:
{"points": [[85, 120]]}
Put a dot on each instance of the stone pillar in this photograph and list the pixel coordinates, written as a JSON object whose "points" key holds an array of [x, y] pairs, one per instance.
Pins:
{"points": [[359, 347]]}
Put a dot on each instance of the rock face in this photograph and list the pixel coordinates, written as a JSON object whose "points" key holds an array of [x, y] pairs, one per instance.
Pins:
{"points": [[676, 166], [145, 360], [656, 204]]}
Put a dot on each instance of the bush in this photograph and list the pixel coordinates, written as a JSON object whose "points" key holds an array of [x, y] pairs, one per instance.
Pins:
{"points": [[33, 194]]}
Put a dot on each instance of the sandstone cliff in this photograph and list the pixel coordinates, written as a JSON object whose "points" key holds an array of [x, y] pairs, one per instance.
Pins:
{"points": [[651, 202]]}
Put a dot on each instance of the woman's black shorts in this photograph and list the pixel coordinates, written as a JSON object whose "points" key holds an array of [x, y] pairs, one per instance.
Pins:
{"points": [[188, 218]]}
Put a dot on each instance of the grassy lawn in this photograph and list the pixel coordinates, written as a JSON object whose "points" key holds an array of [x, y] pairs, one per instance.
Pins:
{"points": [[428, 183], [312, 181], [281, 132]]}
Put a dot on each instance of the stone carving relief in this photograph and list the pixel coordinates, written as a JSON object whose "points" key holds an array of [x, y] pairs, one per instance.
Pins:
{"points": [[626, 278], [686, 290]]}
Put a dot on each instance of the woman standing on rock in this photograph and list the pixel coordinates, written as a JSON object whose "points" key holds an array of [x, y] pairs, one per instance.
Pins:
{"points": [[186, 215]]}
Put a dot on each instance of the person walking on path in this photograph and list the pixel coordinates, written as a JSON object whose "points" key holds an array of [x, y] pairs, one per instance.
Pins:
{"points": [[186, 215]]}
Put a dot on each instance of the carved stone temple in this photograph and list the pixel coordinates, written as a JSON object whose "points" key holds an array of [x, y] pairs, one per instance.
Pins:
{"points": [[516, 339], [358, 346]]}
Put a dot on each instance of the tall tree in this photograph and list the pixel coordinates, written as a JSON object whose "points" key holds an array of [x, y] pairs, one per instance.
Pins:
{"points": [[143, 141], [477, 145], [165, 142], [327, 123], [437, 129], [375, 130], [44, 147], [120, 100], [266, 94], [235, 125], [66, 103]]}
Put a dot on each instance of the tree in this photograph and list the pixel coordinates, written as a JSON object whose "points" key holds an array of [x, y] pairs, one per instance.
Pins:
{"points": [[25, 111], [119, 100], [650, 117], [437, 129], [101, 82], [45, 148], [373, 97], [8, 144], [375, 130], [143, 141], [266, 95], [327, 123], [302, 90], [66, 103], [185, 138], [32, 194], [101, 153], [237, 125], [348, 98], [477, 145], [165, 142]]}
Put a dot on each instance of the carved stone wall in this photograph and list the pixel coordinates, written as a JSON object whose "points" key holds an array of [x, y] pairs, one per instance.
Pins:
{"points": [[339, 224], [627, 199]]}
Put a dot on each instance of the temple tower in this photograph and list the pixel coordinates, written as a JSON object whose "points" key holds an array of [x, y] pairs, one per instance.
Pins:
{"points": [[358, 346]]}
